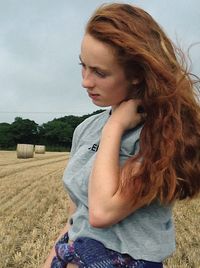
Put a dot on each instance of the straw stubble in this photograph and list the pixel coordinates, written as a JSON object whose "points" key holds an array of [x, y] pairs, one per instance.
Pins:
{"points": [[33, 210]]}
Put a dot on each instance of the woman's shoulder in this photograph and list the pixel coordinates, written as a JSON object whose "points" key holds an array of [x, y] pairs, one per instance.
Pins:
{"points": [[93, 120]]}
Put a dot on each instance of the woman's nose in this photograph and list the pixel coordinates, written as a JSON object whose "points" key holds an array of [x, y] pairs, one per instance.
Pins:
{"points": [[87, 79]]}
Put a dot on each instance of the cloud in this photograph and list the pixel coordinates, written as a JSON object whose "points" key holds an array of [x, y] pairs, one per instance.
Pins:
{"points": [[40, 44]]}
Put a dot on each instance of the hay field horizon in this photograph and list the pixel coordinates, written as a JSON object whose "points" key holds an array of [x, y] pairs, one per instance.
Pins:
{"points": [[34, 209]]}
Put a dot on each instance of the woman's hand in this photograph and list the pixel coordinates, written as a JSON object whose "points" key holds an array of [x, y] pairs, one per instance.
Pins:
{"points": [[125, 115]]}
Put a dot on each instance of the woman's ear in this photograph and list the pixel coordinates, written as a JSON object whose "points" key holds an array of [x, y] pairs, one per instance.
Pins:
{"points": [[135, 81]]}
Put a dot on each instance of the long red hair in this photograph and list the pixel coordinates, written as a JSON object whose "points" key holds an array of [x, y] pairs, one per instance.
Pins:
{"points": [[170, 138]]}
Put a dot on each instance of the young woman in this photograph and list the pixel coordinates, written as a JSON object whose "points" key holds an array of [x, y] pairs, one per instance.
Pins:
{"points": [[130, 163]]}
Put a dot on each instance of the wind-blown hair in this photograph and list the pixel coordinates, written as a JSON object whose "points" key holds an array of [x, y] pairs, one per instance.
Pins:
{"points": [[170, 138]]}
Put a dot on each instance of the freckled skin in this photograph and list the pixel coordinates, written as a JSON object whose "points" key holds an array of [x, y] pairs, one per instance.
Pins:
{"points": [[103, 77]]}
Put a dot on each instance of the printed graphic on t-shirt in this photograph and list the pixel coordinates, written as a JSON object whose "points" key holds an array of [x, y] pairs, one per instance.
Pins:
{"points": [[94, 147]]}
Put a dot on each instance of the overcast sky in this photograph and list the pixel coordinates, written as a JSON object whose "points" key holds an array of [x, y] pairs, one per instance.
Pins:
{"points": [[39, 47]]}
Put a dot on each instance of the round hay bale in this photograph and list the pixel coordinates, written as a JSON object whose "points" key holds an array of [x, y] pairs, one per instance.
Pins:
{"points": [[25, 151], [40, 149]]}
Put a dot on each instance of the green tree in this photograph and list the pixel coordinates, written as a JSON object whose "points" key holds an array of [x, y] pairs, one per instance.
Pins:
{"points": [[6, 137], [24, 131], [56, 133]]}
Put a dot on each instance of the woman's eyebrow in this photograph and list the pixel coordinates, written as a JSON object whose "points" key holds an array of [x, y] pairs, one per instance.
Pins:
{"points": [[94, 67]]}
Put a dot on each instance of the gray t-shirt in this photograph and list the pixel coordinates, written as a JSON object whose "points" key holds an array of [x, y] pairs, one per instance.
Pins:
{"points": [[147, 233]]}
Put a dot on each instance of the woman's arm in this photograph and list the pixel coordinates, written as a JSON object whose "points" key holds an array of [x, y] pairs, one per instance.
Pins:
{"points": [[107, 205], [72, 209]]}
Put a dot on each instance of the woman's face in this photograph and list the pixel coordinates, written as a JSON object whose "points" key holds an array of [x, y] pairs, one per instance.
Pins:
{"points": [[103, 77]]}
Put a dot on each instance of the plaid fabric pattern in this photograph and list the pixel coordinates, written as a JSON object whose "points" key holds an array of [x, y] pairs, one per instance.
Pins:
{"points": [[89, 253]]}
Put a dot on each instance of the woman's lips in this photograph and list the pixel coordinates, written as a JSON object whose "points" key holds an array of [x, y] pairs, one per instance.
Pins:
{"points": [[93, 96]]}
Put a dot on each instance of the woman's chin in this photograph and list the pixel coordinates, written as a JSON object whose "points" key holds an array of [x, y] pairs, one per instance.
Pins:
{"points": [[99, 103]]}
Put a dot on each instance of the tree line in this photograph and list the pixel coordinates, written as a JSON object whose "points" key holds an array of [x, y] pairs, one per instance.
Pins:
{"points": [[56, 135]]}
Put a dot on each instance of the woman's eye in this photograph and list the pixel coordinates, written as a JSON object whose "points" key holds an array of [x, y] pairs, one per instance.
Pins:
{"points": [[100, 74], [82, 64], [96, 71]]}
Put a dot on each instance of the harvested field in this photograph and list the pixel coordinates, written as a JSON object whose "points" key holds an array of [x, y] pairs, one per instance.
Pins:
{"points": [[33, 210]]}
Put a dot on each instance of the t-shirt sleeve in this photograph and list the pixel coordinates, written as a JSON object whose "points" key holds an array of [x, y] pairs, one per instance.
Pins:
{"points": [[74, 143], [136, 147]]}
